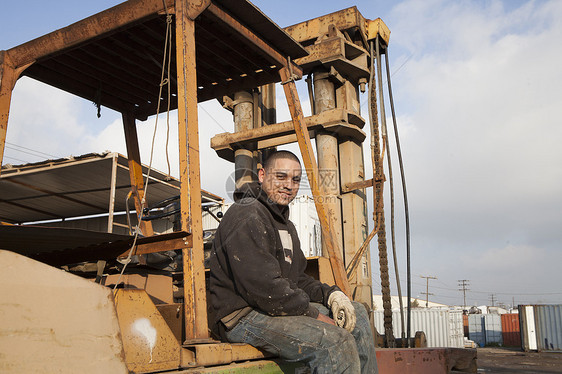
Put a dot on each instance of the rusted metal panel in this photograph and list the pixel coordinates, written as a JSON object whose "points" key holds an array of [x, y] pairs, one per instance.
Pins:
{"points": [[426, 360], [191, 216], [378, 27], [347, 58], [223, 353], [173, 315], [510, 330], [329, 48], [343, 20], [148, 342]]}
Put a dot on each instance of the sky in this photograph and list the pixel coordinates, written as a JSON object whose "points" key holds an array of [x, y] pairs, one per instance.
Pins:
{"points": [[477, 87]]}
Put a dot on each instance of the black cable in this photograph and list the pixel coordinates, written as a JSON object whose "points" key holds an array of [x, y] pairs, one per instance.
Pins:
{"points": [[406, 210]]}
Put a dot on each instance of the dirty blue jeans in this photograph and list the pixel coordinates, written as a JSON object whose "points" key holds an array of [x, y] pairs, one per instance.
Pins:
{"points": [[325, 348]]}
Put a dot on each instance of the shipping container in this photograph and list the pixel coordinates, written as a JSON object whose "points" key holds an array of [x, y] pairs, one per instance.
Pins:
{"points": [[303, 215], [541, 327], [485, 329], [527, 327], [442, 327], [493, 329], [548, 322], [511, 332]]}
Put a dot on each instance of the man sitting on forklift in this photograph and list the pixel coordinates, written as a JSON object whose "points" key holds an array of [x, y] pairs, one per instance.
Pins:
{"points": [[260, 294]]}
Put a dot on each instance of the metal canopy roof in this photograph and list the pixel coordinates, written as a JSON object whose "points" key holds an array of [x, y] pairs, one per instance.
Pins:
{"points": [[78, 186], [114, 58]]}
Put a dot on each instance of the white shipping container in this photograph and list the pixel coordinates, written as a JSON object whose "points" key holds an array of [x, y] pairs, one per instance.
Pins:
{"points": [[304, 217], [442, 327]]}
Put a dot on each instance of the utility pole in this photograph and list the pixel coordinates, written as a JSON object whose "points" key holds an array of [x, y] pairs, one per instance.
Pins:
{"points": [[426, 293], [492, 298], [463, 283]]}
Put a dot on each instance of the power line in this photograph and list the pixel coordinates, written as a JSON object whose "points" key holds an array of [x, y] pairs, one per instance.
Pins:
{"points": [[14, 158], [29, 149]]}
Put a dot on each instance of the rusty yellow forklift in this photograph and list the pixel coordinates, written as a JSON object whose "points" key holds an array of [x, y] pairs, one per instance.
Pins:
{"points": [[198, 50]]}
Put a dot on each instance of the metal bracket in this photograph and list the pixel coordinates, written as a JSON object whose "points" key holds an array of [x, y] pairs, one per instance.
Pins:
{"points": [[292, 76]]}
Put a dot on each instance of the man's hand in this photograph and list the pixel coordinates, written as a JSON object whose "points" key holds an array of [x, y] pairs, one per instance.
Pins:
{"points": [[342, 310], [326, 319]]}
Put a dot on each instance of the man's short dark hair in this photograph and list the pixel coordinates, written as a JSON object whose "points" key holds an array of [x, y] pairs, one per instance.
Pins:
{"points": [[270, 161]]}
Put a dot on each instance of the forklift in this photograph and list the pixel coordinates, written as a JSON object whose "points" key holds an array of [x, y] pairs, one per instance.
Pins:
{"points": [[194, 51]]}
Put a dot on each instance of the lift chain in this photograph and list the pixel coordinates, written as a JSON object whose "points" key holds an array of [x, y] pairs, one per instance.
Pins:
{"points": [[378, 178]]}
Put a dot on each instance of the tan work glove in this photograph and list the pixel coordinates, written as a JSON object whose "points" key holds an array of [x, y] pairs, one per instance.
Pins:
{"points": [[342, 310]]}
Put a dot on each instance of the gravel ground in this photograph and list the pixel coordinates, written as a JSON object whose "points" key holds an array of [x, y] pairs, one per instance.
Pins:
{"points": [[513, 360]]}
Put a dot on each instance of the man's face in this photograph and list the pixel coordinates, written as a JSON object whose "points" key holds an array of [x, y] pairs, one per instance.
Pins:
{"points": [[281, 181]]}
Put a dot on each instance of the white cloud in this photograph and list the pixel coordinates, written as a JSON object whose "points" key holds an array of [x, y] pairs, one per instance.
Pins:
{"points": [[511, 258]]}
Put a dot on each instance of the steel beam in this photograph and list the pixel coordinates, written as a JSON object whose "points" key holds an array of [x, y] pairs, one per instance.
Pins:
{"points": [[220, 353], [112, 193], [195, 298], [162, 243], [135, 170], [338, 121], [92, 27], [277, 58], [8, 77], [311, 167]]}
